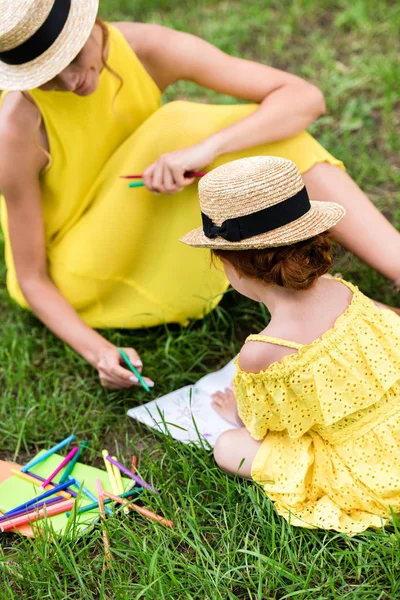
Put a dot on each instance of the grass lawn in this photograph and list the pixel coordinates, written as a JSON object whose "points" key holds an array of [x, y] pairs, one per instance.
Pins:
{"points": [[228, 542]]}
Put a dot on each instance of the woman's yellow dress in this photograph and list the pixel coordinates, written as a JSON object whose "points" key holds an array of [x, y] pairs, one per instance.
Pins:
{"points": [[114, 252], [329, 416]]}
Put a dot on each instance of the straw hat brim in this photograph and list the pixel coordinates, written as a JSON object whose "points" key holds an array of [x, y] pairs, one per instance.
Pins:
{"points": [[76, 32], [321, 217]]}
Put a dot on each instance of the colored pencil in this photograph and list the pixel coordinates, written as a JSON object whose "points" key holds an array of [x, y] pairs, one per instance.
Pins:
{"points": [[73, 462], [36, 480], [89, 494], [95, 505], [134, 464], [118, 478], [120, 485], [187, 174], [52, 450], [133, 476], [133, 369], [110, 473], [106, 542], [62, 464], [51, 511], [55, 490], [136, 184], [143, 511], [34, 507]]}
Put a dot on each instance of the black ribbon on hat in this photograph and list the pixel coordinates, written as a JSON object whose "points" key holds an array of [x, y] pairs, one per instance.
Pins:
{"points": [[262, 221], [42, 39]]}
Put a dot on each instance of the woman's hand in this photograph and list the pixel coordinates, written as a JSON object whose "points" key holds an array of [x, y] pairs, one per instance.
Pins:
{"points": [[113, 372], [167, 174]]}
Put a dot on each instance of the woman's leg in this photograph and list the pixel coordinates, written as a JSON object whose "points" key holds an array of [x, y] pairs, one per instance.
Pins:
{"points": [[364, 231], [235, 451]]}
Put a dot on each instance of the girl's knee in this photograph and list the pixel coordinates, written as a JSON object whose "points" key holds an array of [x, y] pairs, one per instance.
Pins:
{"points": [[223, 449]]}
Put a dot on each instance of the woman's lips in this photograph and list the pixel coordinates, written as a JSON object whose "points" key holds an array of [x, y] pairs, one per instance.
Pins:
{"points": [[82, 86]]}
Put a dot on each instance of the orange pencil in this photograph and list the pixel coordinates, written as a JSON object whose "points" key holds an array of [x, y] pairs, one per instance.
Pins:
{"points": [[143, 511], [100, 495], [36, 515], [134, 464]]}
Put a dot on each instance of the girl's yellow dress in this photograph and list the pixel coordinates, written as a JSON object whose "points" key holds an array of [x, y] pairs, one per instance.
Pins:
{"points": [[114, 252], [329, 416]]}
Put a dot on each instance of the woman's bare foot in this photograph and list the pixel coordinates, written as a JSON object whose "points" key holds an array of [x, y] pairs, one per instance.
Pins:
{"points": [[224, 403]]}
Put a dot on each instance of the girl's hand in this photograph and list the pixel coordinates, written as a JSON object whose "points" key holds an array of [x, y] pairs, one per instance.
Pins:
{"points": [[167, 174], [113, 372]]}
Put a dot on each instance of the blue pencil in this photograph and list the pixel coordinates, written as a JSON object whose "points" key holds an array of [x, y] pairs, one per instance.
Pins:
{"points": [[52, 450], [55, 490], [90, 507], [87, 493]]}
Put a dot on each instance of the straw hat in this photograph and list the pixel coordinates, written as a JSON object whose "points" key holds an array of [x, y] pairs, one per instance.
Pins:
{"points": [[40, 38], [258, 202]]}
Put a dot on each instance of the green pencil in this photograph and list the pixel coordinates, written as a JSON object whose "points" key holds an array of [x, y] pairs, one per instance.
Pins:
{"points": [[136, 184], [135, 371]]}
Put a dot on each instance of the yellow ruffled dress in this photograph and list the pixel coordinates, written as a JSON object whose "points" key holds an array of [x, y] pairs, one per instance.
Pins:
{"points": [[114, 252], [329, 416]]}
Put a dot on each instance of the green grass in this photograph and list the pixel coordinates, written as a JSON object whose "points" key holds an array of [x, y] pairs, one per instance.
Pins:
{"points": [[228, 542]]}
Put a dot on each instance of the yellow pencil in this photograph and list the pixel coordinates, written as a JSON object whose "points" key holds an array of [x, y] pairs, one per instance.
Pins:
{"points": [[38, 482], [118, 479], [110, 472]]}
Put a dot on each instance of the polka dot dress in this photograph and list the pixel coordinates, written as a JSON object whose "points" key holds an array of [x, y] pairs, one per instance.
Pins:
{"points": [[329, 416]]}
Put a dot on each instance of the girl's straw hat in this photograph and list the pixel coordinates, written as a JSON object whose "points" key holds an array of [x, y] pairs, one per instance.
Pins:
{"points": [[40, 38], [258, 202]]}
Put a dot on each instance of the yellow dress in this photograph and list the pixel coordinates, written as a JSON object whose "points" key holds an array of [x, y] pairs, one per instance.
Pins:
{"points": [[329, 416], [114, 252]]}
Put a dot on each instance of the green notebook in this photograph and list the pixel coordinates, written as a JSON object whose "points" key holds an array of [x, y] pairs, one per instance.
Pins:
{"points": [[15, 491]]}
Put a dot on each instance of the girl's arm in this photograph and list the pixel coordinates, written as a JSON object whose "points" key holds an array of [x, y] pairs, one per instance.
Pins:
{"points": [[288, 104], [20, 165]]}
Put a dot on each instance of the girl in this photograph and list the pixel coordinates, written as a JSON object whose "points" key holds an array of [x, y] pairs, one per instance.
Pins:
{"points": [[83, 107], [317, 392]]}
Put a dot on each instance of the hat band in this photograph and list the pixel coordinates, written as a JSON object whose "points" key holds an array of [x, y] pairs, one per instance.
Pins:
{"points": [[262, 221], [42, 39]]}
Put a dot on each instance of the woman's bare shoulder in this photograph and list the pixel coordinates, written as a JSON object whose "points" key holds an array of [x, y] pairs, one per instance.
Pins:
{"points": [[140, 35], [19, 119]]}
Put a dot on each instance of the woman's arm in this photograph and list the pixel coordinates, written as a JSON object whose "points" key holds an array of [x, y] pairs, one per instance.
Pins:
{"points": [[288, 104], [20, 165]]}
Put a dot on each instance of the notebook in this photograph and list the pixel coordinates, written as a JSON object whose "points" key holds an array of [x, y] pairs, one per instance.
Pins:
{"points": [[186, 414]]}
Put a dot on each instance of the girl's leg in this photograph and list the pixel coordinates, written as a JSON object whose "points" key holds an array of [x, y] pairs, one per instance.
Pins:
{"points": [[364, 231], [235, 450]]}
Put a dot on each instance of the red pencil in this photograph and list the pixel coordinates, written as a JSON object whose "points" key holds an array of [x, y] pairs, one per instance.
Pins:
{"points": [[187, 174]]}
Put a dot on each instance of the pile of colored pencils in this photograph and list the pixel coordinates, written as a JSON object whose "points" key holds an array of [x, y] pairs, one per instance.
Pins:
{"points": [[58, 498]]}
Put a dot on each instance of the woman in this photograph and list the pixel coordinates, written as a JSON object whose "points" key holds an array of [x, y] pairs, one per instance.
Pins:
{"points": [[84, 251]]}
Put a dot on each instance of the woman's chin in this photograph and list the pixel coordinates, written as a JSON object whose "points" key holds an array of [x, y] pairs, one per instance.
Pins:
{"points": [[90, 87]]}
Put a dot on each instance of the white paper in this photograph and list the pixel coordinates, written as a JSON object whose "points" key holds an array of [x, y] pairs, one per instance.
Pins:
{"points": [[187, 413]]}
